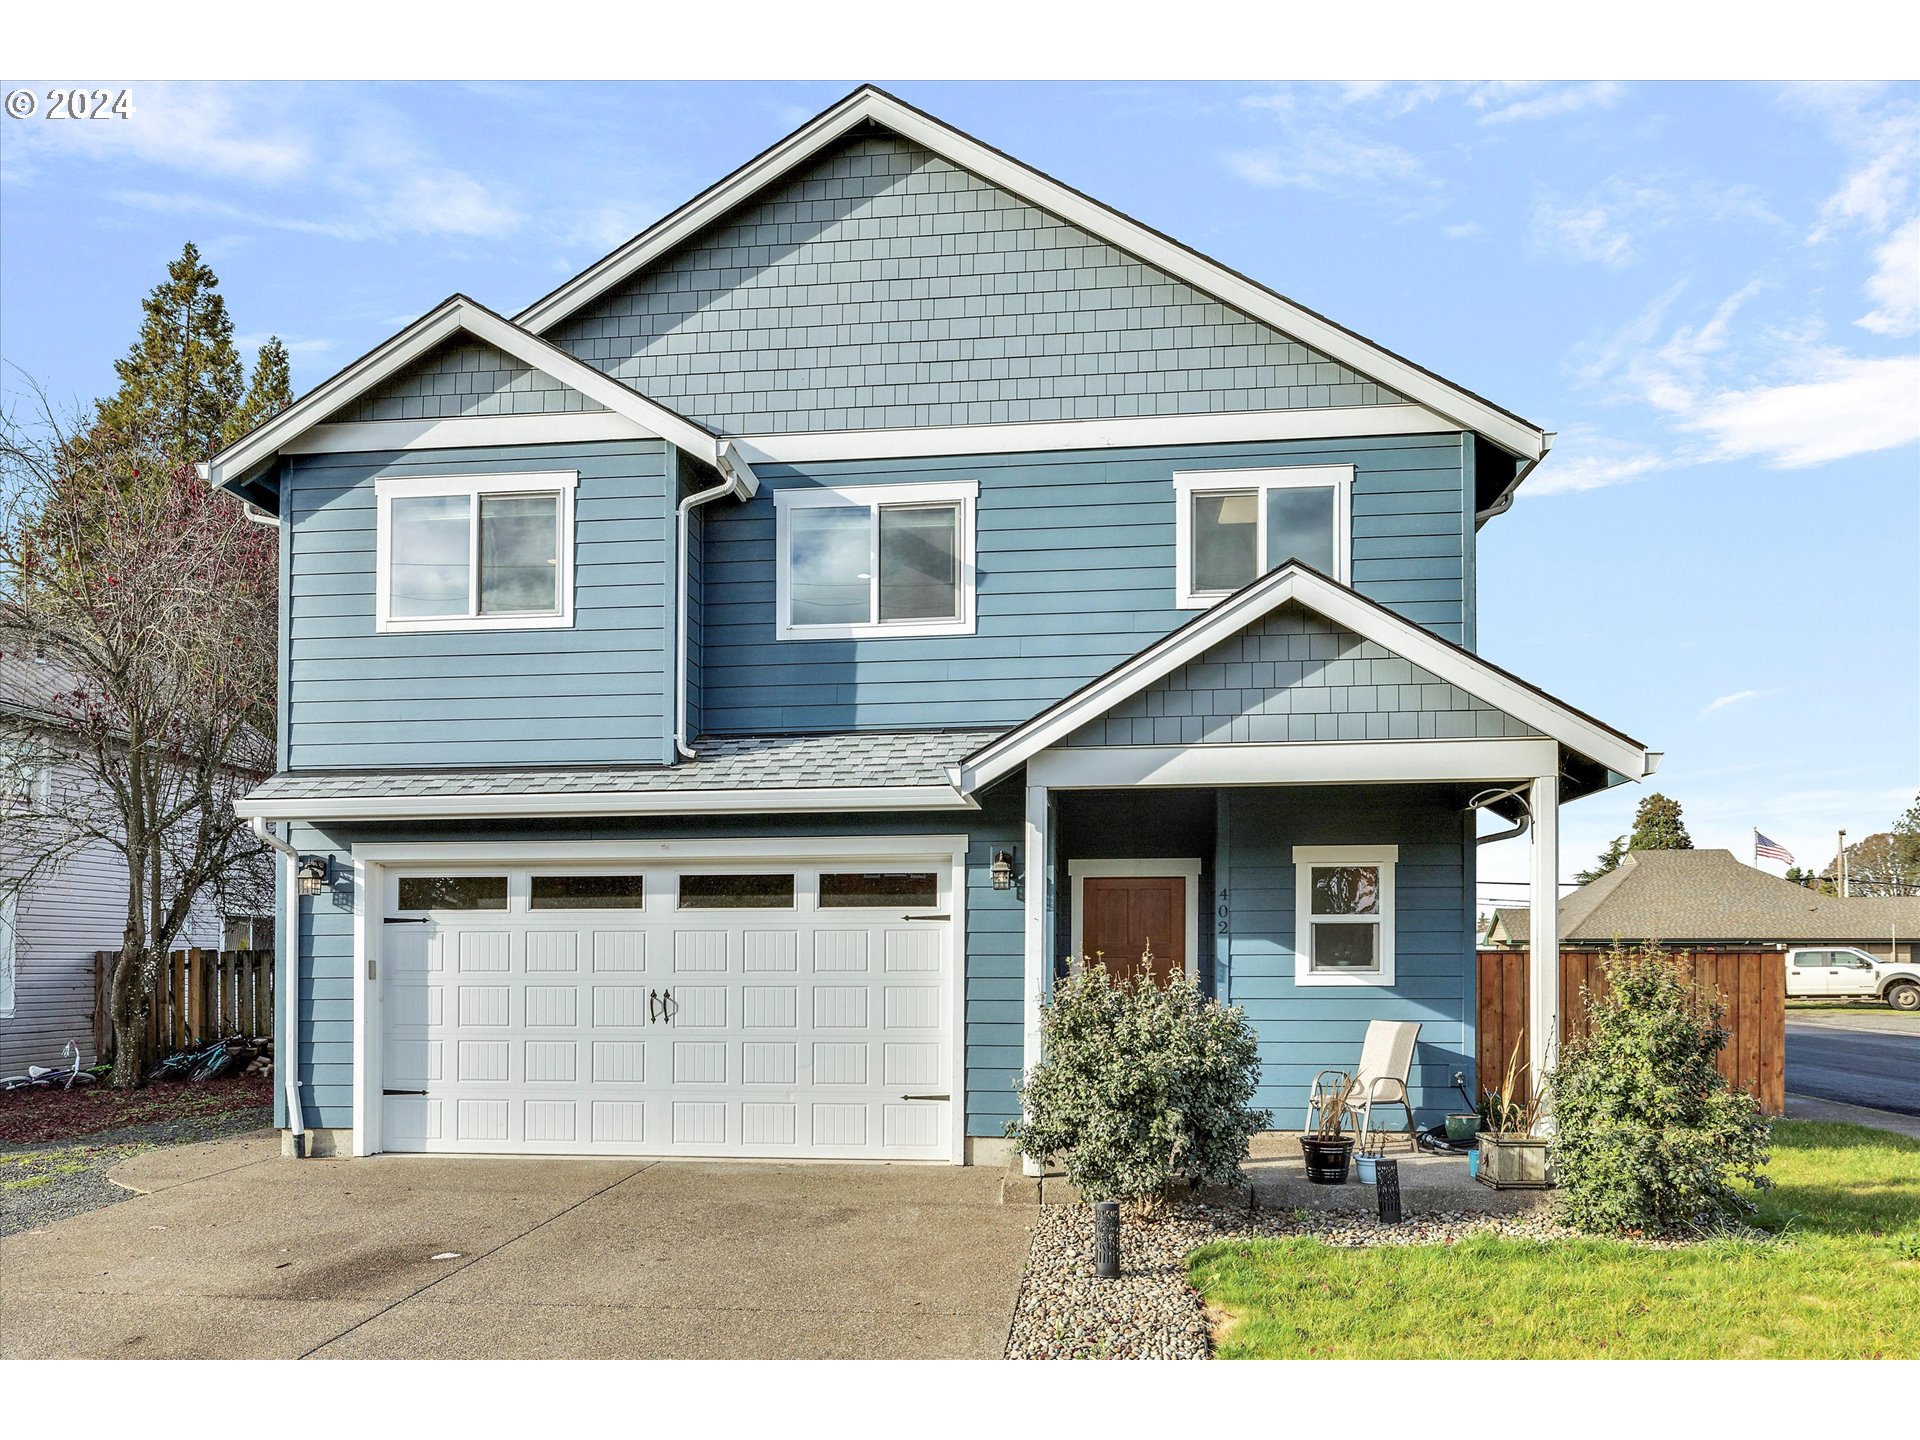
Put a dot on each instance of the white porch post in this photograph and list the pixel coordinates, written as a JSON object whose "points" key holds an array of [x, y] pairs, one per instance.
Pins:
{"points": [[1039, 978], [1543, 948]]}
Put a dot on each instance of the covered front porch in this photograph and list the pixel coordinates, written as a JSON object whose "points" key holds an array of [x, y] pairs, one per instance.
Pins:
{"points": [[1283, 798]]}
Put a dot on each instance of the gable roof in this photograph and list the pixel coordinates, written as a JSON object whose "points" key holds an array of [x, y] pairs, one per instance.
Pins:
{"points": [[458, 314], [872, 106], [1578, 731], [1709, 895]]}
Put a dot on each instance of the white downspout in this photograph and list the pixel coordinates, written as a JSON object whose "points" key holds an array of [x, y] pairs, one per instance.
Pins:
{"points": [[739, 481], [289, 947]]}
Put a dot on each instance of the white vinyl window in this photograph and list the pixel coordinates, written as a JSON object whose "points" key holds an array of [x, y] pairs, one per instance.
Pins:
{"points": [[476, 552], [1343, 914], [9, 951], [1233, 526], [877, 561], [26, 774]]}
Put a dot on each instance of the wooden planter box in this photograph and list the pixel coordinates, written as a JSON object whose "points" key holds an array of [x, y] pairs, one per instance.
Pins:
{"points": [[1514, 1162]]}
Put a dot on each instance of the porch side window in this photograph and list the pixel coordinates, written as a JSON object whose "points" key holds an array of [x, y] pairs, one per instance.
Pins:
{"points": [[1234, 526], [875, 561], [1343, 914], [475, 552]]}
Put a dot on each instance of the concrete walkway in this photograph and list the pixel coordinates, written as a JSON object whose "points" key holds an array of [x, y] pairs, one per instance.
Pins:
{"points": [[235, 1253]]}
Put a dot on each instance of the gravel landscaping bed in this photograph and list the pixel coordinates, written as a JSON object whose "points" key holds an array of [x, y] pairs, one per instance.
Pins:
{"points": [[1150, 1312], [51, 1180]]}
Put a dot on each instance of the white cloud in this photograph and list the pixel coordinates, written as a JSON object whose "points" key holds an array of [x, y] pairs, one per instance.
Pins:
{"points": [[1583, 460], [1738, 697], [1465, 230], [1846, 405], [1583, 232], [1322, 155], [1564, 100], [1894, 286], [225, 131]]}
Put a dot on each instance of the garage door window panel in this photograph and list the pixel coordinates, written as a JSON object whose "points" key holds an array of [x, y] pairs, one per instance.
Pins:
{"points": [[587, 892], [736, 892], [876, 890], [453, 892]]}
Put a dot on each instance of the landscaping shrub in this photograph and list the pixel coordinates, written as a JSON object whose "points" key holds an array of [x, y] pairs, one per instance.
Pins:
{"points": [[1649, 1137], [1141, 1085]]}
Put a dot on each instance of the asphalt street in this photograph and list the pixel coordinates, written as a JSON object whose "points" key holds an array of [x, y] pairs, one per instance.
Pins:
{"points": [[1877, 1067]]}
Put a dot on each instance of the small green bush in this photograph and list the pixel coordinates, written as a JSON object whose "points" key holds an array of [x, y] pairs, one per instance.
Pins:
{"points": [[1649, 1138], [1140, 1085]]}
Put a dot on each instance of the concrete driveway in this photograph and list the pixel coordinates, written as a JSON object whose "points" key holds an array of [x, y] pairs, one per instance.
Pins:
{"points": [[235, 1252]]}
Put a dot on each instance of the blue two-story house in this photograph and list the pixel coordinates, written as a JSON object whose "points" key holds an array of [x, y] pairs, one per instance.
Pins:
{"points": [[717, 701]]}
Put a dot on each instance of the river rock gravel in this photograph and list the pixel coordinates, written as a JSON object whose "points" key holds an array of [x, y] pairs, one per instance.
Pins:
{"points": [[1150, 1312]]}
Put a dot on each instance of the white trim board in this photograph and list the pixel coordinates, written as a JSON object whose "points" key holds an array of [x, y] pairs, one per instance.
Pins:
{"points": [[1337, 423], [455, 315], [1300, 762], [465, 432], [1343, 606], [640, 802], [1466, 410], [1079, 871]]}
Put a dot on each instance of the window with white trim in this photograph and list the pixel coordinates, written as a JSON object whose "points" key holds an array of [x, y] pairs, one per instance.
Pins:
{"points": [[26, 774], [9, 950], [875, 561], [475, 552], [1343, 914], [1233, 526]]}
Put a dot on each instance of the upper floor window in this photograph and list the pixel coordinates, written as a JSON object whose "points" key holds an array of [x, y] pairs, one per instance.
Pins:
{"points": [[875, 560], [1233, 526], [26, 773], [475, 552]]}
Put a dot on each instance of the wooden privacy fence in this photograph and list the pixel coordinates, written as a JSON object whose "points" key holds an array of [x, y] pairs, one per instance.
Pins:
{"points": [[198, 996], [1751, 984]]}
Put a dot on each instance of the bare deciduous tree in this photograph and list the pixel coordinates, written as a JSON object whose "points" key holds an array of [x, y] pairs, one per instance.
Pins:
{"points": [[152, 601]]}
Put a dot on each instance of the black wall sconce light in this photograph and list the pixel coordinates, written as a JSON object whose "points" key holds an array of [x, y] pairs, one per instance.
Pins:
{"points": [[313, 872], [1002, 871]]}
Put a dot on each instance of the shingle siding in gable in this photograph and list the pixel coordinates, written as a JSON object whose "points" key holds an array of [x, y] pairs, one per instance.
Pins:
{"points": [[884, 287], [461, 378], [1296, 676]]}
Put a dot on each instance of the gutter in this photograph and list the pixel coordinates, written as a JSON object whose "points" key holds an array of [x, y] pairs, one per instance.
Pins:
{"points": [[289, 947], [737, 480]]}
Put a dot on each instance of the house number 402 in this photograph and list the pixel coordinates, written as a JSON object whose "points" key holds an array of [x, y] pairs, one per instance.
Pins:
{"points": [[1220, 915]]}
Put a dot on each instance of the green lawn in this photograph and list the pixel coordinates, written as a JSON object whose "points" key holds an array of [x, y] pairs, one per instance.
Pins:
{"points": [[1844, 1281]]}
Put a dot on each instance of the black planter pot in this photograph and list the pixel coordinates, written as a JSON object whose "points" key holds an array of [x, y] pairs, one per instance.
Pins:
{"points": [[1327, 1159]]}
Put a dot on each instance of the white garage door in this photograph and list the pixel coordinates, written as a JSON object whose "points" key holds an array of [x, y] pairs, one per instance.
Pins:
{"points": [[754, 1010]]}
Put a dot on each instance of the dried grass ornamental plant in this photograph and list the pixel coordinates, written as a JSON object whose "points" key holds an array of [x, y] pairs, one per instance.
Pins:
{"points": [[1649, 1137], [1141, 1085]]}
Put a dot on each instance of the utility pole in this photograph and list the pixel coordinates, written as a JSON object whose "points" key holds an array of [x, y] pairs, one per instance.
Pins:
{"points": [[1840, 865]]}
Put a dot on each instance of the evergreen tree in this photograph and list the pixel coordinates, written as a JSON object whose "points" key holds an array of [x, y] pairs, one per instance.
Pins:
{"points": [[269, 394], [182, 380], [1608, 862], [1657, 826]]}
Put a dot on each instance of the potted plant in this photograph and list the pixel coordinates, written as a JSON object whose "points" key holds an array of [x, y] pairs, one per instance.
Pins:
{"points": [[1512, 1157], [1366, 1160], [1327, 1147]]}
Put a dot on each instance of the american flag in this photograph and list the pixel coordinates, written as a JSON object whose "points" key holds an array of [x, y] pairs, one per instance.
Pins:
{"points": [[1765, 849]]}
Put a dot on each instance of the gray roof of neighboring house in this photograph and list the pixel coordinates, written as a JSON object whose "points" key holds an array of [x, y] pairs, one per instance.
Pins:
{"points": [[869, 759], [1510, 924], [1710, 896]]}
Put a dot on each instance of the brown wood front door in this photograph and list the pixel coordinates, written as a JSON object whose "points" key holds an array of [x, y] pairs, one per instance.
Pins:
{"points": [[1122, 915]]}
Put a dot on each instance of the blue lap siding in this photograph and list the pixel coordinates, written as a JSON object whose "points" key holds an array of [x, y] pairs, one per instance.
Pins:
{"points": [[598, 693], [1076, 574]]}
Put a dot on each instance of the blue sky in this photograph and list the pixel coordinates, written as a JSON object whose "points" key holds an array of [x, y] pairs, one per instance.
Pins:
{"points": [[1710, 291]]}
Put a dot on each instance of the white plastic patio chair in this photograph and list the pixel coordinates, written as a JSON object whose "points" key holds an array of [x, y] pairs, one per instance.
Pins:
{"points": [[1386, 1060]]}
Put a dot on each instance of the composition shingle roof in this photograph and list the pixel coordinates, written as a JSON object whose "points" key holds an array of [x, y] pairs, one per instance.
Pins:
{"points": [[1709, 895], [738, 762]]}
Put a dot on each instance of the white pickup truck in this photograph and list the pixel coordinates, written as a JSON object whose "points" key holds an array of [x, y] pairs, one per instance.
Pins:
{"points": [[1841, 970]]}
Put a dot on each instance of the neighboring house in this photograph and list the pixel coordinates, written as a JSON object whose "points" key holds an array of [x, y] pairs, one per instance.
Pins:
{"points": [[53, 922], [1693, 899], [719, 699]]}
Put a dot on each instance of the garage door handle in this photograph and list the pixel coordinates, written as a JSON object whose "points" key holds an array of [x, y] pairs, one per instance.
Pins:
{"points": [[403, 1092], [911, 1097], [926, 917]]}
